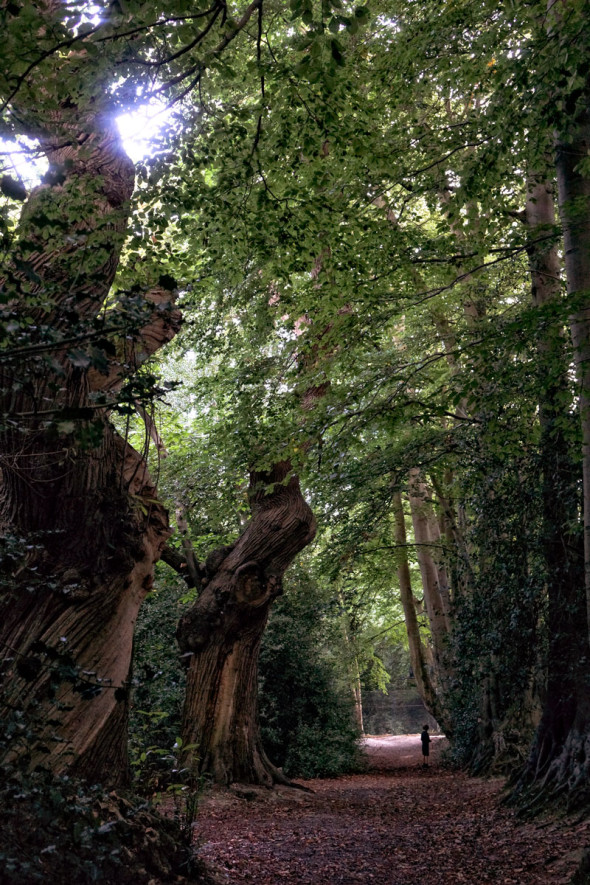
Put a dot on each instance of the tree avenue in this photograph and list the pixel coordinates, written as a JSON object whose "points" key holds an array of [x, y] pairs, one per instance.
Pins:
{"points": [[433, 174], [365, 237]]}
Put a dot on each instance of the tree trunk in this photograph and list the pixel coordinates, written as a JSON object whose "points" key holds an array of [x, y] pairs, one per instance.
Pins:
{"points": [[221, 634], [419, 653], [352, 666], [358, 699], [462, 570], [574, 209], [560, 760], [559, 470], [81, 526], [67, 640], [433, 597]]}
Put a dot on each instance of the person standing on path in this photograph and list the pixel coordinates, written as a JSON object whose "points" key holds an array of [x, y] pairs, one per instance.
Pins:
{"points": [[425, 738]]}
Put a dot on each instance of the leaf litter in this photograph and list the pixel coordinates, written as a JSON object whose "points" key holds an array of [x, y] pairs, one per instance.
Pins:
{"points": [[395, 824]]}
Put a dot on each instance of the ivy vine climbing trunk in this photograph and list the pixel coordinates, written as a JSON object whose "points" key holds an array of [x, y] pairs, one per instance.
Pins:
{"points": [[559, 763], [548, 764], [221, 634]]}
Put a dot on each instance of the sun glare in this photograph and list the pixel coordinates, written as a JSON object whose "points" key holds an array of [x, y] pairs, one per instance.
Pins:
{"points": [[141, 128], [22, 161]]}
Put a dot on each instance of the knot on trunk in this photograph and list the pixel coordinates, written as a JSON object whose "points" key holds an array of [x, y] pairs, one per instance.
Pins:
{"points": [[254, 587], [214, 560]]}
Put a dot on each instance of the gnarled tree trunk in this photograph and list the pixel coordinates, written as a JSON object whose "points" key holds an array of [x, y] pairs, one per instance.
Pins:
{"points": [[221, 634], [67, 621], [81, 526]]}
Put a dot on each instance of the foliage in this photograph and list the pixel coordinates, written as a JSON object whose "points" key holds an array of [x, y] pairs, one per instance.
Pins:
{"points": [[158, 689], [339, 205], [59, 830], [499, 642], [306, 703]]}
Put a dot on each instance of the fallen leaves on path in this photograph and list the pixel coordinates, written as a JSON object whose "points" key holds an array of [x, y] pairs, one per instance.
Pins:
{"points": [[394, 826]]}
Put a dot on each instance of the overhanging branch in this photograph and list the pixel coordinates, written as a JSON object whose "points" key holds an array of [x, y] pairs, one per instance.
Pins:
{"points": [[163, 324]]}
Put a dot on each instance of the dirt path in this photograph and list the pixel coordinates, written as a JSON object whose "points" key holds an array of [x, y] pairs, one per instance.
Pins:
{"points": [[398, 824]]}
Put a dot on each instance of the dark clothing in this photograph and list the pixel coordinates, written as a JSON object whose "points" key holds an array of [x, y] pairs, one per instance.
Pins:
{"points": [[425, 738]]}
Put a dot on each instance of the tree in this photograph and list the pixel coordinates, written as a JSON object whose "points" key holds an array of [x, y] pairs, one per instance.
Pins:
{"points": [[220, 637], [440, 364], [223, 630], [557, 762], [82, 524]]}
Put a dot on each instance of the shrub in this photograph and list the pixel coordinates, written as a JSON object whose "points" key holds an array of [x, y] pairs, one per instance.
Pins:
{"points": [[306, 705]]}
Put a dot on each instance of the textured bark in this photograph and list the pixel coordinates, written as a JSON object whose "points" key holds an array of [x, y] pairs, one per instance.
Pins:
{"points": [[435, 596], [74, 496], [559, 764], [455, 537], [221, 634], [574, 209], [80, 619]]}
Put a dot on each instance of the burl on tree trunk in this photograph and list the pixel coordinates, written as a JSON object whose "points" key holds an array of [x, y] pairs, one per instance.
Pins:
{"points": [[222, 632]]}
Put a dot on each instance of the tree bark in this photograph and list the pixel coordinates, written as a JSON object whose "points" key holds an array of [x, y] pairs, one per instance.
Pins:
{"points": [[419, 653], [221, 634], [67, 641], [560, 760], [462, 569], [574, 210], [435, 597], [76, 501]]}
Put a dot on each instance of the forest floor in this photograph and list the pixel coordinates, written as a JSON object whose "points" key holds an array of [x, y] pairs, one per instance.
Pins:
{"points": [[396, 824]]}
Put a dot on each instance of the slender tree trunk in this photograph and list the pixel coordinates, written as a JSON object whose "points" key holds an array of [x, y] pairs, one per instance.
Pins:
{"points": [[420, 659], [433, 598], [353, 668], [442, 580], [358, 698], [221, 634]]}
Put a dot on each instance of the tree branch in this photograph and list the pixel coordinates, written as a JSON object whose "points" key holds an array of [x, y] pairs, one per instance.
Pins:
{"points": [[162, 326], [192, 564], [197, 70], [176, 561]]}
